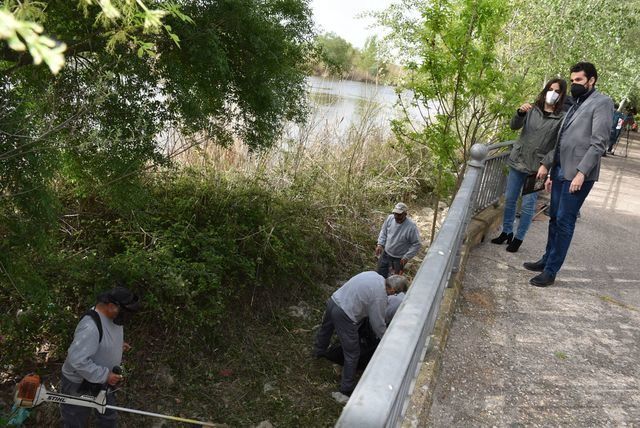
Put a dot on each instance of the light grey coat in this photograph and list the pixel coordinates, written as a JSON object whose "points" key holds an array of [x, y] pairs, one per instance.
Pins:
{"points": [[400, 240], [585, 137], [88, 357]]}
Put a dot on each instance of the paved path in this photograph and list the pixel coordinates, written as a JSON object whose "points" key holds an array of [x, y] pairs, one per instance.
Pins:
{"points": [[567, 355]]}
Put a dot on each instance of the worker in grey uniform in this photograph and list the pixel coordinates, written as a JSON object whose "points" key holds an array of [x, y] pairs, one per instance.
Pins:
{"points": [[398, 242], [363, 296], [393, 303], [97, 347]]}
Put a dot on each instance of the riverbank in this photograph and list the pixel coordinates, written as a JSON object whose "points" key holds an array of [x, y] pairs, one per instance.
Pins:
{"points": [[234, 255]]}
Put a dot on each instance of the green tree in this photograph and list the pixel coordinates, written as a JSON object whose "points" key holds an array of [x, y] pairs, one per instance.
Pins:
{"points": [[449, 48], [543, 38], [21, 26], [370, 58], [238, 73], [75, 147], [336, 53]]}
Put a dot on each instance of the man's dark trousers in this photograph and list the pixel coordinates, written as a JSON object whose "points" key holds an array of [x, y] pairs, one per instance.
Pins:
{"points": [[78, 416], [336, 319], [387, 263], [563, 214]]}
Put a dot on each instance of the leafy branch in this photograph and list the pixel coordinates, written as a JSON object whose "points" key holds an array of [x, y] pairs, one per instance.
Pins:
{"points": [[20, 28]]}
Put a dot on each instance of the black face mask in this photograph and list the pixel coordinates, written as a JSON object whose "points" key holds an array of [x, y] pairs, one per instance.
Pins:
{"points": [[578, 90], [122, 317]]}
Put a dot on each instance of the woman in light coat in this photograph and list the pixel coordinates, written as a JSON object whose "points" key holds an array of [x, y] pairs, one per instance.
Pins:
{"points": [[532, 153]]}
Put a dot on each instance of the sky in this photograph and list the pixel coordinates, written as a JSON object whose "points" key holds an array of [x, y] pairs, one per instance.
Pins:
{"points": [[340, 17]]}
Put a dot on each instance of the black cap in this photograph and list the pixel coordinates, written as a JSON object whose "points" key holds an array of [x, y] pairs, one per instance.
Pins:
{"points": [[122, 297]]}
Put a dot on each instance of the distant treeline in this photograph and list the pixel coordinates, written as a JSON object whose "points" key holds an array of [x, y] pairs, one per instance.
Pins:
{"points": [[338, 58]]}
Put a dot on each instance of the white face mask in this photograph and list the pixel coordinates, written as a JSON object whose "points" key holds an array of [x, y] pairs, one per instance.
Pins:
{"points": [[551, 98]]}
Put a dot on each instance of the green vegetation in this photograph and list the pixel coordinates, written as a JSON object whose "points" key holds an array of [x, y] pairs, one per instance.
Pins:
{"points": [[96, 127], [451, 56], [155, 157], [543, 39], [339, 59], [95, 187], [616, 302], [218, 254], [124, 22], [471, 62]]}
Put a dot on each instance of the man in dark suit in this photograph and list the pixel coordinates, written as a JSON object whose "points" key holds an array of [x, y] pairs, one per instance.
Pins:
{"points": [[582, 140]]}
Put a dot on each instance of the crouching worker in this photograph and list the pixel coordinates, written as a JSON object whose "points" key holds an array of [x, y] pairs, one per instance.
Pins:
{"points": [[97, 347], [368, 340], [363, 296]]}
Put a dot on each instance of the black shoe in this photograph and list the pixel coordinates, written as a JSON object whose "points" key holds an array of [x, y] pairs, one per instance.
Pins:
{"points": [[502, 238], [545, 279], [514, 245], [604, 155], [534, 266], [317, 354]]}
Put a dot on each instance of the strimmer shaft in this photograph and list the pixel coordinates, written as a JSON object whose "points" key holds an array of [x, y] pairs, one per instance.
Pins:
{"points": [[158, 415]]}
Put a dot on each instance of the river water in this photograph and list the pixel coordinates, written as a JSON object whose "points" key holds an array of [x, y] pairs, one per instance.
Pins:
{"points": [[337, 106]]}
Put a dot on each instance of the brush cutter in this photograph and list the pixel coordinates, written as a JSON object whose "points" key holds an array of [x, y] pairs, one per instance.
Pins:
{"points": [[31, 393]]}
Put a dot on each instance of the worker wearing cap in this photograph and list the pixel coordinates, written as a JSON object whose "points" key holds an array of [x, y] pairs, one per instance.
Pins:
{"points": [[98, 343], [398, 242]]}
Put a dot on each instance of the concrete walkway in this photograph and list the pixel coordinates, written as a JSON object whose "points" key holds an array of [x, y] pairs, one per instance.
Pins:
{"points": [[567, 355]]}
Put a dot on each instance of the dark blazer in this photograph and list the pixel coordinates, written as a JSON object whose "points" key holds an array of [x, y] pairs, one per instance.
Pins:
{"points": [[585, 137]]}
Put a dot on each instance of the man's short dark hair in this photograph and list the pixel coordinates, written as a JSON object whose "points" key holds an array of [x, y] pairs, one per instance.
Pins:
{"points": [[588, 68]]}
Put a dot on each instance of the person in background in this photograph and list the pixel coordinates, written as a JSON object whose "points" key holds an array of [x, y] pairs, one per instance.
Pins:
{"points": [[616, 128], [531, 154], [582, 140], [98, 343], [393, 303], [398, 242]]}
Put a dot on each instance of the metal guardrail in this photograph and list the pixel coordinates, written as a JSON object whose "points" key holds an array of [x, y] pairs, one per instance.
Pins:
{"points": [[382, 394], [494, 178]]}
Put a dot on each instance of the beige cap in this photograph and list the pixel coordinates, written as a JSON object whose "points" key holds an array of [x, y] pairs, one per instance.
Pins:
{"points": [[399, 208]]}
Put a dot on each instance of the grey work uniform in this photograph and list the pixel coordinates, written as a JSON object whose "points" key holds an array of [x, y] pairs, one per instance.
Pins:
{"points": [[363, 296], [400, 241], [90, 359]]}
